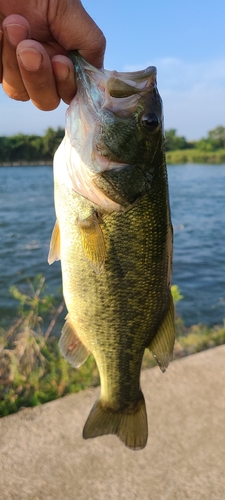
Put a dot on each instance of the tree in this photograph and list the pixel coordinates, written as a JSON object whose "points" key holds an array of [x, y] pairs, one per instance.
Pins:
{"points": [[30, 148], [205, 145], [217, 136], [4, 149], [174, 142], [51, 141]]}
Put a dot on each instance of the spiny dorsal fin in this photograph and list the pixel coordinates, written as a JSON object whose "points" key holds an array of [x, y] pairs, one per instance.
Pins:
{"points": [[163, 343], [93, 242], [71, 346], [54, 250]]}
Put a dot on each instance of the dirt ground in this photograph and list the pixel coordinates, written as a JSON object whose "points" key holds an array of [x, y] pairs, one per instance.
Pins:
{"points": [[43, 455]]}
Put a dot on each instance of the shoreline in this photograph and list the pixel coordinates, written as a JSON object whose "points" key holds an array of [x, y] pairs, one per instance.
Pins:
{"points": [[27, 164], [172, 158]]}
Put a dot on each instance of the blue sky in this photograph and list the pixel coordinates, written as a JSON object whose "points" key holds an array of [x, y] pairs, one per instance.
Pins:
{"points": [[185, 40]]}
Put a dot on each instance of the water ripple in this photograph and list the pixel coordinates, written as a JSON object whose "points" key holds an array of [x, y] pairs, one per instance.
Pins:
{"points": [[197, 205]]}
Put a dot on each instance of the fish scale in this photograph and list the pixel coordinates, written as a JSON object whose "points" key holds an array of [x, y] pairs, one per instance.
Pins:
{"points": [[116, 260]]}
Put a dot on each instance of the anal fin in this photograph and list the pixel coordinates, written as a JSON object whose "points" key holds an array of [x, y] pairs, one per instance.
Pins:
{"points": [[163, 343], [130, 425], [54, 250], [71, 346], [93, 242]]}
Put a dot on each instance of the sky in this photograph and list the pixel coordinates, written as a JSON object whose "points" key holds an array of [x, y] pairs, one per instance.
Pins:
{"points": [[184, 40]]}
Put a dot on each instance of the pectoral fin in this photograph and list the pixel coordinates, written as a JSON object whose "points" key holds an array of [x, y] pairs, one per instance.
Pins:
{"points": [[54, 250], [93, 242], [71, 346], [163, 343]]}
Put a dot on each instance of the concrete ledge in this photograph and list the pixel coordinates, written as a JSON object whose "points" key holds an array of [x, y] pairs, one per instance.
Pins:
{"points": [[43, 456]]}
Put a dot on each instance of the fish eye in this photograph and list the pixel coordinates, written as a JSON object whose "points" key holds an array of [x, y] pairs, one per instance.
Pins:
{"points": [[151, 122]]}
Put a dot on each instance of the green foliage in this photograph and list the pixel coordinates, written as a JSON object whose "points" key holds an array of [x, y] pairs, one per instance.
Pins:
{"points": [[32, 369], [207, 150], [195, 156], [51, 140], [30, 148], [201, 337], [217, 137], [174, 142], [205, 145], [176, 294]]}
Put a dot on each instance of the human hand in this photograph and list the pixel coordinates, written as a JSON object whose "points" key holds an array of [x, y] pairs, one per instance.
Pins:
{"points": [[34, 44]]}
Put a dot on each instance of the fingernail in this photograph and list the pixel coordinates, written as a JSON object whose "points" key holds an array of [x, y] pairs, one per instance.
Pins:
{"points": [[61, 70], [30, 59], [16, 33]]}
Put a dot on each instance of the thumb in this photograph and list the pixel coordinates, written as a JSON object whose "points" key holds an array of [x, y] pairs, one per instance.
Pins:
{"points": [[74, 29]]}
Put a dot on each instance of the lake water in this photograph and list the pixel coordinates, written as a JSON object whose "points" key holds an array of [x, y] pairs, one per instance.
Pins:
{"points": [[197, 197]]}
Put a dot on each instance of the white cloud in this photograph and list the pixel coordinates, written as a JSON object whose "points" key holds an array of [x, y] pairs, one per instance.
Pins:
{"points": [[193, 94]]}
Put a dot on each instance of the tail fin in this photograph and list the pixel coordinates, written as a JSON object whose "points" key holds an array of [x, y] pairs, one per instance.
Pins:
{"points": [[130, 425]]}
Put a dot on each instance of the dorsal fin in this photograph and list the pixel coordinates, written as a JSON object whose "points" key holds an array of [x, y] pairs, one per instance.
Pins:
{"points": [[163, 343]]}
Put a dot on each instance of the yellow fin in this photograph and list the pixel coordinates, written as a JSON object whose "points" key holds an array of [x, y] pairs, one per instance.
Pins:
{"points": [[163, 343], [93, 242], [54, 250], [71, 346], [130, 425]]}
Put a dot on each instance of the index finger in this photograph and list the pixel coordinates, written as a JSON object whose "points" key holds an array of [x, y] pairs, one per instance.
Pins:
{"points": [[1, 36], [74, 29]]}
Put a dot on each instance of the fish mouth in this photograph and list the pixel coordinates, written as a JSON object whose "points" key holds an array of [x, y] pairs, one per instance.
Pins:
{"points": [[102, 91], [81, 64], [114, 84]]}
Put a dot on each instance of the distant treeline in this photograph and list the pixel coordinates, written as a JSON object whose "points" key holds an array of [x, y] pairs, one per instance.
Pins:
{"points": [[207, 150], [34, 148], [30, 148]]}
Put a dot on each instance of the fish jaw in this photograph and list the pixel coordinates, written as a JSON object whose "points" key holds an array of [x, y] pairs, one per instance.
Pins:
{"points": [[72, 173], [96, 103], [83, 179]]}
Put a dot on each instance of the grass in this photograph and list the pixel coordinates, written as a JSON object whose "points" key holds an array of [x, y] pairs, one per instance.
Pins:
{"points": [[195, 156], [32, 369]]}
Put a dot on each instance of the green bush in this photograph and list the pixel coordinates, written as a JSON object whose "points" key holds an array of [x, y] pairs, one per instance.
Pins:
{"points": [[32, 369], [195, 155]]}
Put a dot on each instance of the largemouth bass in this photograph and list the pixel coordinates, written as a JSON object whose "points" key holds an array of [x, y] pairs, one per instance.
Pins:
{"points": [[113, 235]]}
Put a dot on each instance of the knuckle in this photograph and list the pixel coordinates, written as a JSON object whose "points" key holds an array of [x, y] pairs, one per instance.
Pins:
{"points": [[15, 93]]}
